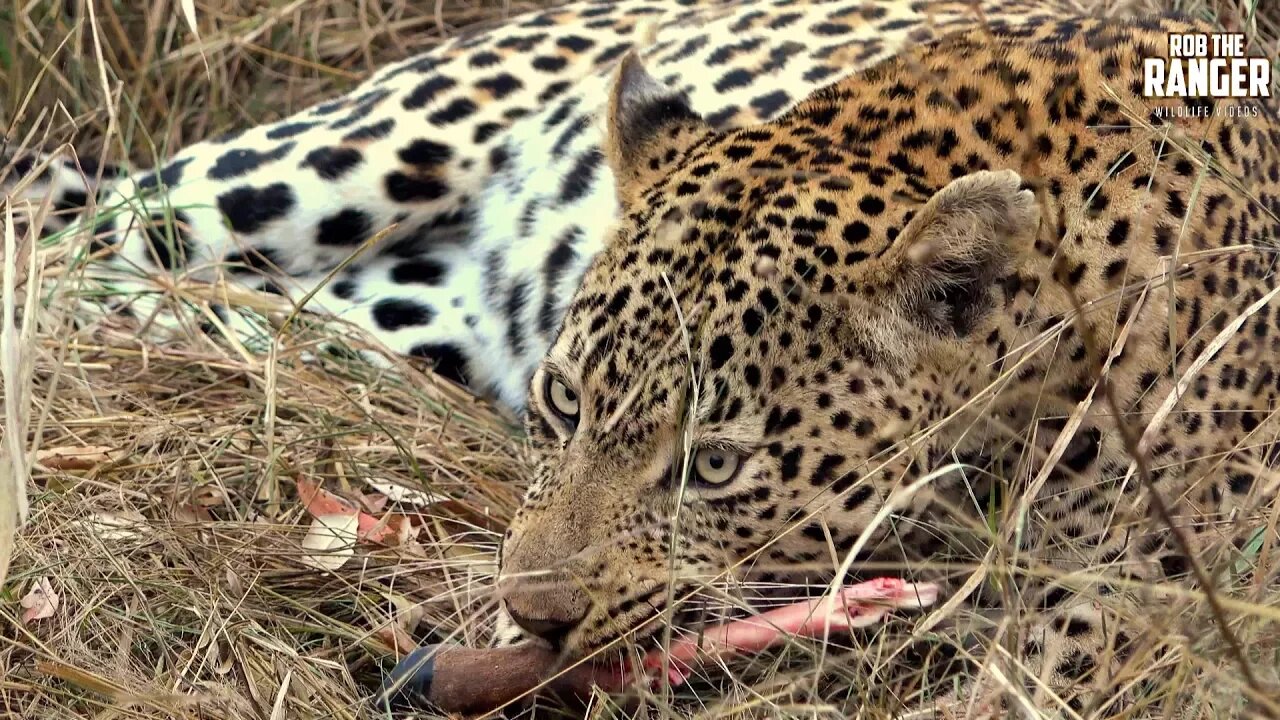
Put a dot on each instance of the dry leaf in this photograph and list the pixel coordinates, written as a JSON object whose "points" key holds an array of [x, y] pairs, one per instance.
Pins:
{"points": [[191, 514], [395, 638], [409, 614], [319, 501], [374, 502], [40, 602], [110, 526], [333, 538], [208, 495], [397, 632], [75, 459], [233, 582], [391, 529], [61, 483]]}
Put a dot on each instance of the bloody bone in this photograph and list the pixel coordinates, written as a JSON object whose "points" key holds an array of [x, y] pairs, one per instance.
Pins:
{"points": [[467, 681]]}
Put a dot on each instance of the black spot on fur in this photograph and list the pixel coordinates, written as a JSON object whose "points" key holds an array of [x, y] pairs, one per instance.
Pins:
{"points": [[611, 53], [859, 496], [1076, 627], [418, 272], [736, 78], [575, 43], [553, 91], [374, 131], [500, 85], [822, 475], [170, 176], [484, 59], [396, 313], [485, 131], [168, 242], [517, 299], [71, 200], [426, 153], [248, 208], [1077, 666], [575, 129], [577, 182], [347, 228], [456, 111], [549, 63], [344, 288], [426, 92], [23, 164], [1119, 233], [553, 269], [256, 261], [1241, 483], [242, 161], [856, 231], [406, 188], [770, 103], [447, 360], [91, 168], [331, 163], [498, 158], [721, 351], [790, 466], [288, 130], [721, 117], [104, 234]]}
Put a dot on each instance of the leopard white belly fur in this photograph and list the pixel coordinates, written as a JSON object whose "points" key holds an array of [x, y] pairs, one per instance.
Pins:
{"points": [[485, 155]]}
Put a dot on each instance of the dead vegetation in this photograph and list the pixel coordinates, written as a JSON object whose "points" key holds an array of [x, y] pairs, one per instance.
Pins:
{"points": [[170, 564]]}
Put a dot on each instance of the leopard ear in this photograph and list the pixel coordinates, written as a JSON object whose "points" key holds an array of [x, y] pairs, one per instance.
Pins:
{"points": [[956, 248], [648, 125]]}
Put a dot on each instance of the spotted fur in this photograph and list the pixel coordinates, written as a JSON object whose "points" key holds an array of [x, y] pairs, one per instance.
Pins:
{"points": [[975, 252], [476, 167]]}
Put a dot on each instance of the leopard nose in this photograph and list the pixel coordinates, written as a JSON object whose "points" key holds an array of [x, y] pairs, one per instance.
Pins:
{"points": [[550, 628]]}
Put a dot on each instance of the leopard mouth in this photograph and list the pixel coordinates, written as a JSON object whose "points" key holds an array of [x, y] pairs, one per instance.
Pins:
{"points": [[654, 629], [646, 621], [646, 650]]}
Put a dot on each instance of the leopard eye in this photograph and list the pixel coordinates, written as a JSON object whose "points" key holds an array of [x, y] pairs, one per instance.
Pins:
{"points": [[714, 466], [563, 400]]}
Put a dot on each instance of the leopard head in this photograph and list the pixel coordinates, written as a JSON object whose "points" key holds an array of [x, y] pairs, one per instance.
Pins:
{"points": [[743, 377]]}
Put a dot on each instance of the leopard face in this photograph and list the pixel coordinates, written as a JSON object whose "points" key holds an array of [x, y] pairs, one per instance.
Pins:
{"points": [[794, 325]]}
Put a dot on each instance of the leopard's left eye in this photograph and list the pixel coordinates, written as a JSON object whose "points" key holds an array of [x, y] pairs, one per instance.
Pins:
{"points": [[713, 466], [563, 400]]}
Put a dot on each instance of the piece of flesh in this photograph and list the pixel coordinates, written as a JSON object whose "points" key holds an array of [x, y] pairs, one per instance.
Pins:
{"points": [[470, 681], [851, 607]]}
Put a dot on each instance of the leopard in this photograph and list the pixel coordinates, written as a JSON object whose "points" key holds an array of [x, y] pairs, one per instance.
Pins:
{"points": [[489, 178], [450, 203], [982, 314]]}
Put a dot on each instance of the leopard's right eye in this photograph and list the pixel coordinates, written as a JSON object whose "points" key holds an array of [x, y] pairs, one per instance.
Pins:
{"points": [[563, 400], [714, 467]]}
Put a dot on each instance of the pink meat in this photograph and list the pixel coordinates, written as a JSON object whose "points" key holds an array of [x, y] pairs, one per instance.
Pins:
{"points": [[851, 607]]}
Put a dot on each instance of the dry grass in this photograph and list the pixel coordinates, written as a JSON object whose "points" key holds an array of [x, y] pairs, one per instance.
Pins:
{"points": [[163, 505], [253, 61], [163, 508]]}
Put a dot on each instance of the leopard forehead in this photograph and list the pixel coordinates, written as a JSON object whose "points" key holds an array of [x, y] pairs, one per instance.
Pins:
{"points": [[834, 282], [732, 275]]}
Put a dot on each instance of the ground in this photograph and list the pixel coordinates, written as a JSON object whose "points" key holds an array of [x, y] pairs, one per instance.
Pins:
{"points": [[164, 509]]}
